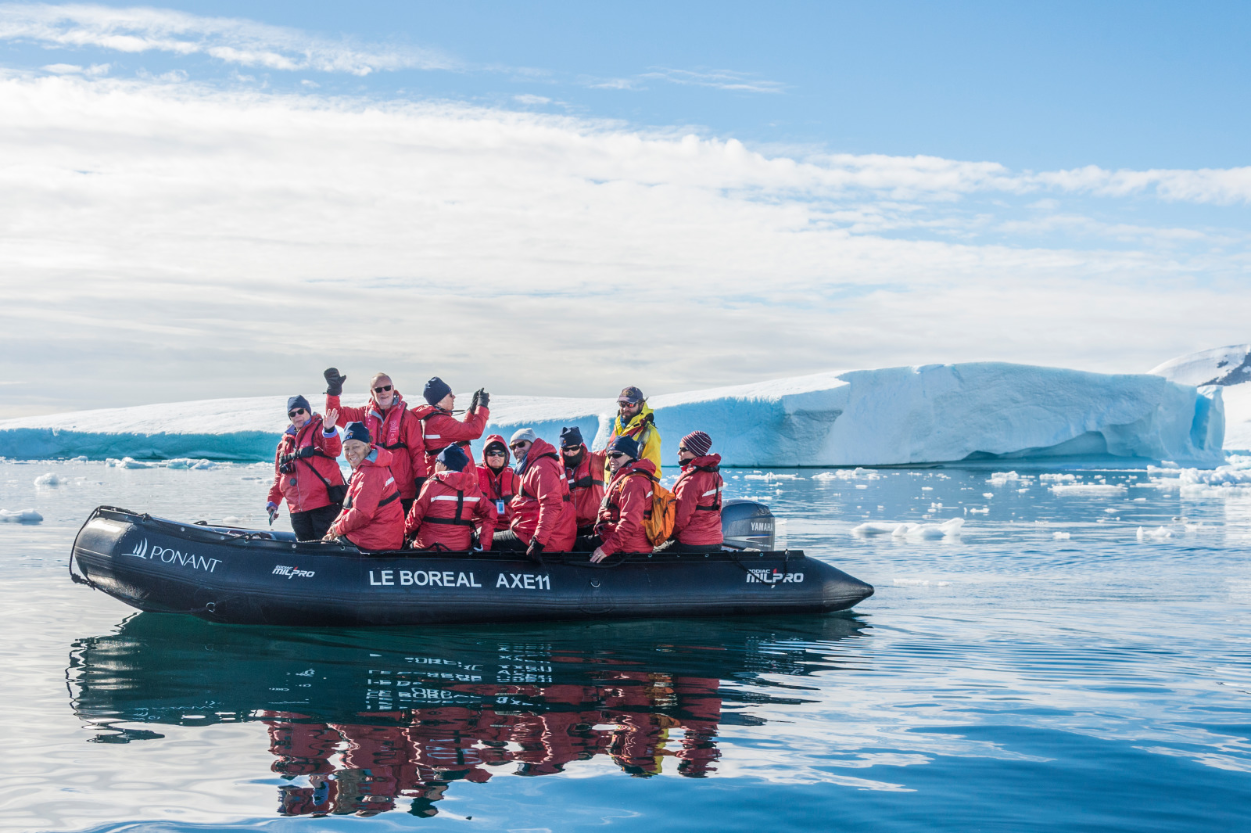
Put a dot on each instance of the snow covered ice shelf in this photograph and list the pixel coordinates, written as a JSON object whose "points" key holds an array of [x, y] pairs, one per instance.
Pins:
{"points": [[928, 414]]}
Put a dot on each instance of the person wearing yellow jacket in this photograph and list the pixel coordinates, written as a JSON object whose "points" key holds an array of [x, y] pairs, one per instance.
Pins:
{"points": [[635, 420]]}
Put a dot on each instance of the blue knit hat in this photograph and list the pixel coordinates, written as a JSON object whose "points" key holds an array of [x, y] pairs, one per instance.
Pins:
{"points": [[435, 390], [298, 401], [570, 437], [359, 432], [454, 458], [625, 445]]}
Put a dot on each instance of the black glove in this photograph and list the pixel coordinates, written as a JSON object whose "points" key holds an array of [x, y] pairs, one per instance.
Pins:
{"points": [[535, 551], [418, 482], [484, 399], [334, 382], [306, 451], [473, 403]]}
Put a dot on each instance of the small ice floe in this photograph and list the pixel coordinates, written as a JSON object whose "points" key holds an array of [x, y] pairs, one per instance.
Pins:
{"points": [[1092, 489], [861, 486], [772, 476], [919, 582], [1003, 478], [22, 516], [1162, 533], [988, 495], [1062, 536], [1058, 478], [81, 458], [911, 531], [927, 488], [128, 463], [188, 463], [847, 474], [49, 481]]}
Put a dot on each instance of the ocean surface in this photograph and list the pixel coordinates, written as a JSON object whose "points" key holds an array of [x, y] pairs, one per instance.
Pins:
{"points": [[1075, 656]]}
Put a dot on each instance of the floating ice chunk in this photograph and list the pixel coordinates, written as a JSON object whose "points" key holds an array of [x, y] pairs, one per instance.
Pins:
{"points": [[868, 529], [50, 480], [857, 473], [1162, 533], [187, 463], [988, 494], [861, 486], [128, 463], [1002, 478], [927, 488], [22, 516], [1062, 536], [1093, 489], [1058, 478]]}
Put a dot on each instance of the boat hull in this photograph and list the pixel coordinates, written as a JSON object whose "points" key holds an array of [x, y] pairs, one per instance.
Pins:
{"points": [[249, 577]]}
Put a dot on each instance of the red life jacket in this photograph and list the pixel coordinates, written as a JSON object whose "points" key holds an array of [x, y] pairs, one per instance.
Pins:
{"points": [[586, 485], [627, 503], [302, 483], [698, 491], [448, 509], [372, 517]]}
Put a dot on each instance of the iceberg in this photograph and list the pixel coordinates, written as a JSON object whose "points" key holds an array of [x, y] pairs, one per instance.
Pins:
{"points": [[1228, 368], [894, 416]]}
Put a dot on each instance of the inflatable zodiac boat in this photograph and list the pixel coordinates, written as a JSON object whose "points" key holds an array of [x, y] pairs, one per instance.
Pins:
{"points": [[240, 576]]}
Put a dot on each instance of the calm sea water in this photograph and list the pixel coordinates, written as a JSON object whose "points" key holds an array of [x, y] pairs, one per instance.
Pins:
{"points": [[1002, 678]]}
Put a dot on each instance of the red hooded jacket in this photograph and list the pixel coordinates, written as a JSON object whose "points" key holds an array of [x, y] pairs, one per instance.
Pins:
{"points": [[500, 486], [372, 517], [447, 510], [543, 508], [441, 429], [626, 505], [302, 488], [698, 505], [586, 485], [397, 430]]}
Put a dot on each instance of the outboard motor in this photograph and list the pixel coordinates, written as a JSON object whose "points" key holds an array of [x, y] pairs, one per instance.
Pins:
{"points": [[746, 524]]}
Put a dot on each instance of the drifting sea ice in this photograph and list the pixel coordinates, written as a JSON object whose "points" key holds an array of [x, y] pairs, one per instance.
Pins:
{"points": [[1092, 489], [910, 531], [49, 480], [22, 516]]}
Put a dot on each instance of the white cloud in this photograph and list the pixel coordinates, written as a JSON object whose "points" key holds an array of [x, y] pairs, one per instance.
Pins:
{"points": [[723, 79], [173, 241], [142, 29], [530, 99]]}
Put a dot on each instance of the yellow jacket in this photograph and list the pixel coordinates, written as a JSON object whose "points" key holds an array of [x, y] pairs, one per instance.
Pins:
{"points": [[641, 429]]}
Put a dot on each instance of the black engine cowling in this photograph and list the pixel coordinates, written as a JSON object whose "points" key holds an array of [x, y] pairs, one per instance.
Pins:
{"points": [[746, 524]]}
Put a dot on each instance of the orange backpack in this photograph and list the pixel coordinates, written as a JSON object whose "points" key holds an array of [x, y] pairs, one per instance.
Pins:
{"points": [[658, 523]]}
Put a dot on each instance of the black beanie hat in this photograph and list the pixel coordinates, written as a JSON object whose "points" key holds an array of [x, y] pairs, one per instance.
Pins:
{"points": [[435, 390], [298, 401], [570, 437], [454, 458], [359, 432]]}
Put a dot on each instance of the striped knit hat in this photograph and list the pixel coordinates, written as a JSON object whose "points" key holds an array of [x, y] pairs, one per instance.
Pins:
{"points": [[698, 443]]}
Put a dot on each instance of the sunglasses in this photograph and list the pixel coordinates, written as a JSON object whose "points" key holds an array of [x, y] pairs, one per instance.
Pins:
{"points": [[296, 412], [522, 444], [616, 455], [684, 449], [496, 453], [382, 389]]}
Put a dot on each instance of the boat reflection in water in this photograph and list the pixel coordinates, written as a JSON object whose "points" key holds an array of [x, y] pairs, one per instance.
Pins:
{"points": [[359, 720]]}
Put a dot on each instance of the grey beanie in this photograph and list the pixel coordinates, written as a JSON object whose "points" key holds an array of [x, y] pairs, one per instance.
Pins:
{"points": [[526, 434]]}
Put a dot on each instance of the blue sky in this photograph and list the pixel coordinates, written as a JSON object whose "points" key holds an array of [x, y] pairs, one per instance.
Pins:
{"points": [[874, 184]]}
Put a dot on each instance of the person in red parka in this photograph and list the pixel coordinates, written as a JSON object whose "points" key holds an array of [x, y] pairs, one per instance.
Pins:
{"points": [[628, 502], [697, 493], [441, 428], [497, 479], [450, 506], [584, 470], [391, 427], [305, 470], [372, 518], [543, 516]]}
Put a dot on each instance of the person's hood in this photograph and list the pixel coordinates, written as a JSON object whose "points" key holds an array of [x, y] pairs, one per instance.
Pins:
{"points": [[377, 456], [538, 448], [459, 480], [642, 415], [495, 438], [712, 461]]}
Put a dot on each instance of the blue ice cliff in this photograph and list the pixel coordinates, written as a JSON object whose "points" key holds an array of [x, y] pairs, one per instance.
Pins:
{"points": [[929, 414]]}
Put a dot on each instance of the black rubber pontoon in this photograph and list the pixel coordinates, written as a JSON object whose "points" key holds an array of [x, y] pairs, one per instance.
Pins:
{"points": [[240, 576]]}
